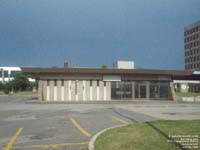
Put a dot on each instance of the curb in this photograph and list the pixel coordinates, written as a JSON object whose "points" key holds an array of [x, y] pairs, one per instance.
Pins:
{"points": [[93, 139]]}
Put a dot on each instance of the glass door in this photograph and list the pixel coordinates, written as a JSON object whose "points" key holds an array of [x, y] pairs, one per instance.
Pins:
{"points": [[140, 89]]}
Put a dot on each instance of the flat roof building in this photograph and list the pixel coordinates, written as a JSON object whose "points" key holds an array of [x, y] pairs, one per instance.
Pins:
{"points": [[8, 73], [192, 46], [95, 84]]}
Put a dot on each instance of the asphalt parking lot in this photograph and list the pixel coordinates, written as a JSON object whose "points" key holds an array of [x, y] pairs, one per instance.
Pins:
{"points": [[57, 126], [71, 126]]}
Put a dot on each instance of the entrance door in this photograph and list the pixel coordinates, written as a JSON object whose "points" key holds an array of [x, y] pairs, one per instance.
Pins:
{"points": [[127, 88], [140, 89]]}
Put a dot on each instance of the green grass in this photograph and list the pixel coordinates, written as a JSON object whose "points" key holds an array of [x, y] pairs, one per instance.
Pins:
{"points": [[141, 136], [187, 94]]}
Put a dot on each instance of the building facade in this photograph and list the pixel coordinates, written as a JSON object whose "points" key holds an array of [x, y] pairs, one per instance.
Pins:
{"points": [[8, 73], [192, 46], [93, 84]]}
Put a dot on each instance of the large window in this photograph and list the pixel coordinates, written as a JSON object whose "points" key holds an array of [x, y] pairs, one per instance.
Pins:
{"points": [[121, 90], [159, 89]]}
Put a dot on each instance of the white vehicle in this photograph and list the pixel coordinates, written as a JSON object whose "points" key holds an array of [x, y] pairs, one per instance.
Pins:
{"points": [[8, 74]]}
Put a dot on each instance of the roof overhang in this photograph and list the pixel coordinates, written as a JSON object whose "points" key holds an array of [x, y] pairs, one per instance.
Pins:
{"points": [[38, 71]]}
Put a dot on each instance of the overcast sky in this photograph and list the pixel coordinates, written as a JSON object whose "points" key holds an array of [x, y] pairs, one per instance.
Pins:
{"points": [[95, 32]]}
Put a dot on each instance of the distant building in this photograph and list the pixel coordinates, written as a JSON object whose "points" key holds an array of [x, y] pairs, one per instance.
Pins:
{"points": [[8, 73], [192, 46]]}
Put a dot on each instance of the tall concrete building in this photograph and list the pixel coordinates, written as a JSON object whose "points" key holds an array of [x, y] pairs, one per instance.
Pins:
{"points": [[192, 46]]}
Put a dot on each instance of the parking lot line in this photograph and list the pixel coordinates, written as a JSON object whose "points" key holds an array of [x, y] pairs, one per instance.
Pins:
{"points": [[120, 120], [86, 133], [50, 145], [12, 140]]}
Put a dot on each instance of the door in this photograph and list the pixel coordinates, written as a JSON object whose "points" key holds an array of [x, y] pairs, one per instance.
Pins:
{"points": [[140, 89]]}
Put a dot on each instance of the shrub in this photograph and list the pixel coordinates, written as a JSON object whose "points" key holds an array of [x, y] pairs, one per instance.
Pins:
{"points": [[1, 86], [7, 87], [20, 83]]}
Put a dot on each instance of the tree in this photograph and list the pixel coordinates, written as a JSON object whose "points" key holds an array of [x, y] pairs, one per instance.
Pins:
{"points": [[1, 86], [20, 82], [7, 87], [104, 66]]}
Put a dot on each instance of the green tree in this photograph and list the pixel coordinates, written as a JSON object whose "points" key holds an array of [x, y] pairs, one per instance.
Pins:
{"points": [[7, 87], [104, 66], [20, 82], [1, 86]]}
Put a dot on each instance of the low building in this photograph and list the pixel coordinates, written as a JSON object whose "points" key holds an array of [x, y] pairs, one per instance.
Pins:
{"points": [[8, 73], [95, 84]]}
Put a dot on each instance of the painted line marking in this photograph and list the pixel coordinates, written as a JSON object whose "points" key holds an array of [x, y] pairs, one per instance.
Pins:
{"points": [[120, 120], [13, 139], [50, 145], [86, 133]]}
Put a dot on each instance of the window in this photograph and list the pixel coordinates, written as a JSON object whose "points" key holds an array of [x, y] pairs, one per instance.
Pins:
{"points": [[159, 89], [90, 82], [62, 82], [13, 73], [104, 83], [6, 74], [97, 82], [47, 82], [121, 90]]}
